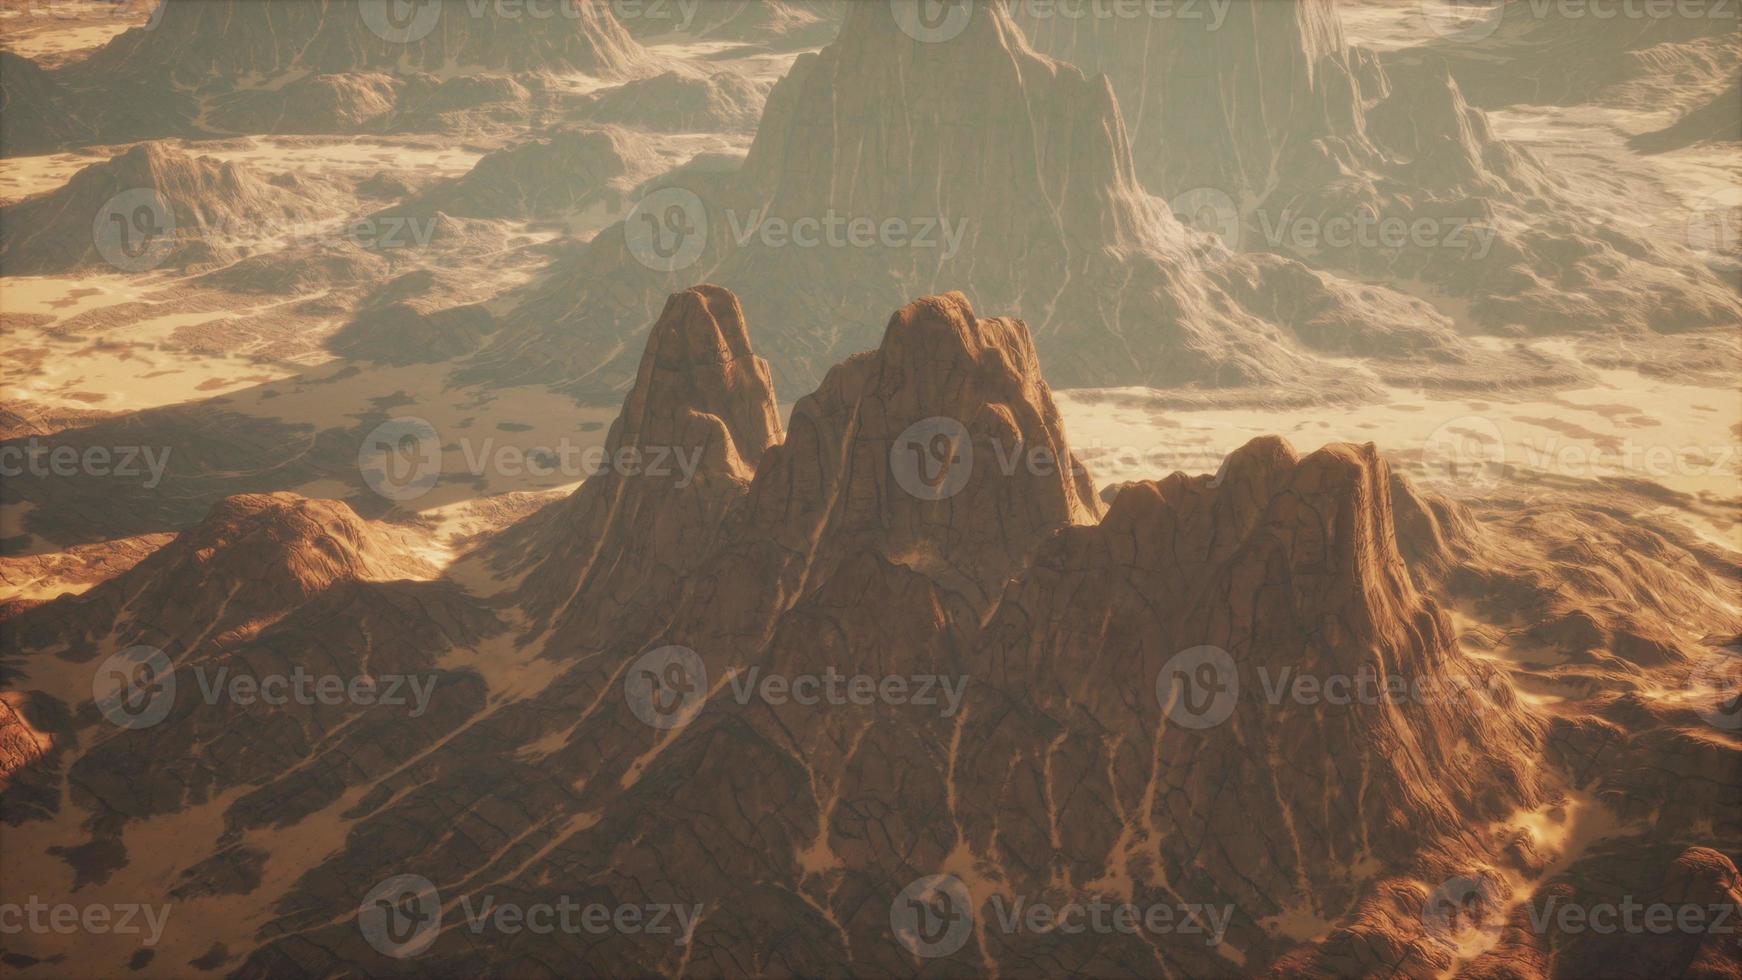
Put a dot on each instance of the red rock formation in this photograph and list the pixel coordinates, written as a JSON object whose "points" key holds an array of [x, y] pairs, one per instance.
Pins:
{"points": [[1114, 290], [1293, 130], [255, 558], [1324, 756], [676, 461]]}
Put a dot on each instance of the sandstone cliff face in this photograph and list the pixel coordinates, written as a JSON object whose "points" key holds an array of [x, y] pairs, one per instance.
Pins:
{"points": [[1279, 568], [1292, 130], [1263, 82], [1114, 289], [677, 461]]}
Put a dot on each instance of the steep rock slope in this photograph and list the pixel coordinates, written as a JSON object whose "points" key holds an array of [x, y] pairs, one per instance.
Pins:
{"points": [[1228, 698], [813, 232], [1304, 146], [677, 460], [35, 110], [1057, 775]]}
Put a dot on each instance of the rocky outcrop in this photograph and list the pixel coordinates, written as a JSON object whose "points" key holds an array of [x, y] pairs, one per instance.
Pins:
{"points": [[600, 566], [1114, 290], [152, 206], [194, 43], [1664, 913], [1306, 147], [351, 102], [21, 744], [404, 332], [325, 66], [1717, 120], [1519, 52], [253, 559], [724, 101], [36, 111], [1234, 698], [1063, 771], [1223, 594], [546, 178]]}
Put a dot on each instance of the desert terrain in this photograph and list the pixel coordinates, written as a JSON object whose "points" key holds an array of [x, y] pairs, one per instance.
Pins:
{"points": [[882, 488]]}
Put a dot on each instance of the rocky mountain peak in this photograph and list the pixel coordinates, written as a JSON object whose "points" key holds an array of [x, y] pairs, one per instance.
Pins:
{"points": [[699, 362], [254, 558]]}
